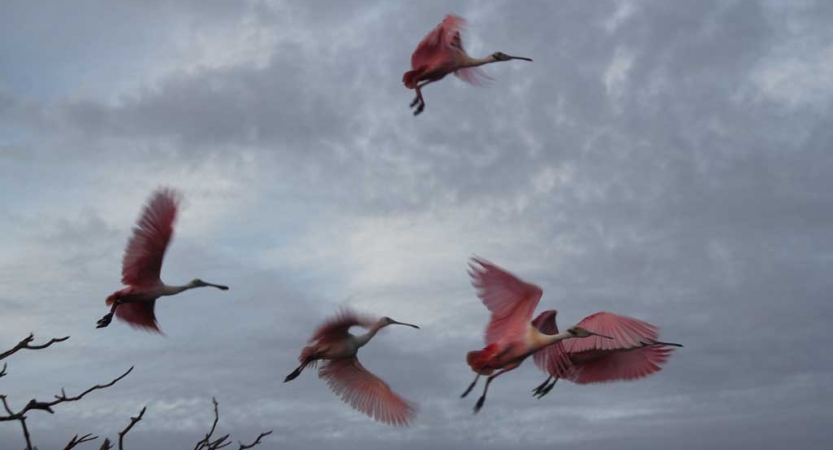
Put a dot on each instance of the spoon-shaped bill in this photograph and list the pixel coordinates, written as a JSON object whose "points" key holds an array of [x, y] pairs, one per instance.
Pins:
{"points": [[394, 322], [519, 57]]}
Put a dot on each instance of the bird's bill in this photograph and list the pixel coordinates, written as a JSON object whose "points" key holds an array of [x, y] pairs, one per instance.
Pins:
{"points": [[218, 286], [393, 322], [520, 57]]}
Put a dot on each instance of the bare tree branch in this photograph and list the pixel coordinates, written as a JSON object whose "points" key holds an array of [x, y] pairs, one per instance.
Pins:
{"points": [[3, 370], [256, 442], [75, 440], [106, 445], [24, 344], [133, 421]]}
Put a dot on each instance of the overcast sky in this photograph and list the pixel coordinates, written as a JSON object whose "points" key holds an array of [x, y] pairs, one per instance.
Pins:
{"points": [[667, 160]]}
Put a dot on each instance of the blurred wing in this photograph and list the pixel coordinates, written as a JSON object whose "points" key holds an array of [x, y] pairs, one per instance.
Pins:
{"points": [[433, 49], [336, 328], [366, 392], [142, 261], [511, 300], [626, 332], [620, 365], [472, 75], [553, 359], [139, 315]]}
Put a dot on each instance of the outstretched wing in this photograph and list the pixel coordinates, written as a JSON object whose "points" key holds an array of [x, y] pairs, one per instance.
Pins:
{"points": [[552, 359], [142, 262], [434, 48], [471, 75], [634, 351], [336, 329], [139, 315], [620, 365], [366, 392], [510, 299]]}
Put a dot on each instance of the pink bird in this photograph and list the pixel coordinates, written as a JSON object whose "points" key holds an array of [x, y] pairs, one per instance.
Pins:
{"points": [[440, 53], [344, 373], [142, 264], [634, 352], [510, 337]]}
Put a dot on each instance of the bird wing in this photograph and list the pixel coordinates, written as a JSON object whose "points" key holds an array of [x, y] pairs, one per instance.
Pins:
{"points": [[553, 359], [510, 300], [433, 50], [336, 328], [366, 392], [610, 365], [471, 75], [627, 333], [143, 256], [139, 315]]}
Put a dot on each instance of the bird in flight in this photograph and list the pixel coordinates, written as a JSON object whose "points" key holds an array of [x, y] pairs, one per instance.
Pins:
{"points": [[346, 376], [142, 264], [634, 352], [441, 52], [510, 336]]}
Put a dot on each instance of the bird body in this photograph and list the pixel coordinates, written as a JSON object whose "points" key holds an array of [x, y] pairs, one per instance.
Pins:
{"points": [[337, 347], [634, 352], [441, 52], [510, 335], [142, 265]]}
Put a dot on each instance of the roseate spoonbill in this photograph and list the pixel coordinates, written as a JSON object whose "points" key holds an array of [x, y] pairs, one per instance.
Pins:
{"points": [[510, 337], [142, 264], [344, 373], [633, 353], [441, 52]]}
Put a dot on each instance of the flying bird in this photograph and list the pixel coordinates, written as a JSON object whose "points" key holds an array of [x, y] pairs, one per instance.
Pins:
{"points": [[510, 337], [441, 52], [346, 376], [142, 264], [634, 352]]}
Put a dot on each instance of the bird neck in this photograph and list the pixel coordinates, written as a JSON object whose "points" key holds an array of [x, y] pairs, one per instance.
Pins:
{"points": [[550, 339], [173, 290], [474, 62], [363, 339]]}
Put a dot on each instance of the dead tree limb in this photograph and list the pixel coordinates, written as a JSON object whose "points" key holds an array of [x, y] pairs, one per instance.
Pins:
{"points": [[133, 421], [223, 441], [76, 440], [256, 441], [24, 344]]}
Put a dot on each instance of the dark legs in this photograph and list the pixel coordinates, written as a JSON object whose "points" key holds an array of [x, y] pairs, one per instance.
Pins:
{"points": [[544, 389], [482, 398], [104, 321], [418, 100], [471, 386]]}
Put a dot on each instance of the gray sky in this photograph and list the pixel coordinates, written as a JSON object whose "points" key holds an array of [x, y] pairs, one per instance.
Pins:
{"points": [[665, 160]]}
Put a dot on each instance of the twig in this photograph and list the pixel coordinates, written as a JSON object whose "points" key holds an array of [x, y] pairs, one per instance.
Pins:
{"points": [[133, 421], [3, 370], [257, 441], [24, 344], [75, 440], [106, 445]]}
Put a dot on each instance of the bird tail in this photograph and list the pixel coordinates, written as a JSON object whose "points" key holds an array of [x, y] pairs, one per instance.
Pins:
{"points": [[411, 77], [478, 360]]}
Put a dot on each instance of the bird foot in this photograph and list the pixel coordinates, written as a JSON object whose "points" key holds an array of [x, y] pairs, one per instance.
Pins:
{"points": [[419, 109], [479, 404], [104, 321], [541, 391], [471, 386], [292, 376], [413, 103]]}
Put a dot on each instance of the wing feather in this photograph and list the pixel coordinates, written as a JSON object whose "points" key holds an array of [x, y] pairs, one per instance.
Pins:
{"points": [[139, 315], [510, 300], [142, 262], [336, 328], [553, 359], [366, 392]]}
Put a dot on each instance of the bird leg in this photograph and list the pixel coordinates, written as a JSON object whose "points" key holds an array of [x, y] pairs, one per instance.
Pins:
{"points": [[543, 389], [104, 321], [482, 398], [418, 99], [471, 386]]}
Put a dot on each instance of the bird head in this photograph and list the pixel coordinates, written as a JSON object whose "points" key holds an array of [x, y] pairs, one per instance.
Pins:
{"points": [[196, 282], [500, 56], [580, 332], [388, 321]]}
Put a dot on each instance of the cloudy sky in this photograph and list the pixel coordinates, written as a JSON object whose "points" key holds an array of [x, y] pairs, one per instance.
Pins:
{"points": [[664, 160]]}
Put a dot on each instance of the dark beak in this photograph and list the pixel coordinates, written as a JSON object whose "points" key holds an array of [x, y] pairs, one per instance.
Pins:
{"points": [[393, 322], [218, 286], [520, 57], [600, 335]]}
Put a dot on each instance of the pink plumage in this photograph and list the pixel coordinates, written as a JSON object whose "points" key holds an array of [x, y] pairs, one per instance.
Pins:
{"points": [[142, 262], [337, 328], [553, 359], [510, 300], [366, 392]]}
